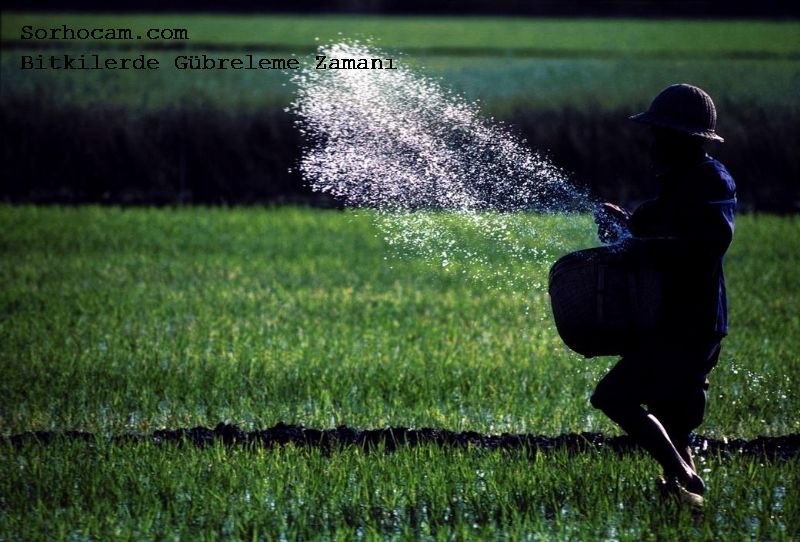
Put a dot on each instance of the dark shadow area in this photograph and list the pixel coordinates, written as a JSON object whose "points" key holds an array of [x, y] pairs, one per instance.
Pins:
{"points": [[391, 438], [109, 154], [539, 8]]}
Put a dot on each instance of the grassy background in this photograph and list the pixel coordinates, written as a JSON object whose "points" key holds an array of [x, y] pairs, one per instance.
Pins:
{"points": [[507, 63], [137, 319], [566, 86], [620, 36], [81, 491], [503, 84], [115, 320]]}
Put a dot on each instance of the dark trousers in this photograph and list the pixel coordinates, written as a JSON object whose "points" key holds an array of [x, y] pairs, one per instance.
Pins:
{"points": [[669, 376]]}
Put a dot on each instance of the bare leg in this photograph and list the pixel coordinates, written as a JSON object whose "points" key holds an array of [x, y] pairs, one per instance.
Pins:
{"points": [[685, 451], [651, 435], [620, 395], [678, 416], [648, 432]]}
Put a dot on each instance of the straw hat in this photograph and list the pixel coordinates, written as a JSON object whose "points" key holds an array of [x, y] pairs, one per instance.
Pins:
{"points": [[684, 108]]}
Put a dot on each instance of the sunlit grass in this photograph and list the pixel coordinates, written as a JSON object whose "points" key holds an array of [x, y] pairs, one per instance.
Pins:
{"points": [[78, 490], [131, 320], [507, 63], [503, 85], [506, 34], [137, 319]]}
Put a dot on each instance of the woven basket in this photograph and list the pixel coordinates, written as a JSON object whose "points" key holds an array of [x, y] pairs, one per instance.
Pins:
{"points": [[604, 300]]}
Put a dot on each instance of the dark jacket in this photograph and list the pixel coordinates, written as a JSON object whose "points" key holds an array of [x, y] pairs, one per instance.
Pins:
{"points": [[687, 230]]}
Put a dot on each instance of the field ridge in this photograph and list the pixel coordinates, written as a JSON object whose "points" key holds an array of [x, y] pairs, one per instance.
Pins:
{"points": [[391, 438]]}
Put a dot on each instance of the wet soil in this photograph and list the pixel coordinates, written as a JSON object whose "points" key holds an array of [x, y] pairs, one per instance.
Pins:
{"points": [[391, 438]]}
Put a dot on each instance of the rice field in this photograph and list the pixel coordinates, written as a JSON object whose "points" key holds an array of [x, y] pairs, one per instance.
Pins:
{"points": [[506, 63], [615, 36], [566, 86], [130, 320]]}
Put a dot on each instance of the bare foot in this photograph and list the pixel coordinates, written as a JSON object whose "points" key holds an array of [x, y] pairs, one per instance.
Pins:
{"points": [[671, 487], [694, 484], [686, 454]]}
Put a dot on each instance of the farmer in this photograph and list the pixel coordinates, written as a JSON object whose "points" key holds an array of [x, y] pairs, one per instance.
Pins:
{"points": [[685, 231]]}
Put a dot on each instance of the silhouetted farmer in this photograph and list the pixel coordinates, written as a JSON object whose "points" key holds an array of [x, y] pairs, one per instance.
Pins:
{"points": [[685, 231]]}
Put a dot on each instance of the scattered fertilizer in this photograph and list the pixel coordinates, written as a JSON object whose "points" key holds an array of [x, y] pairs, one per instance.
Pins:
{"points": [[448, 184]]}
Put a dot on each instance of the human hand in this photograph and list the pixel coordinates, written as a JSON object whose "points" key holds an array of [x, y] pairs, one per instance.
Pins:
{"points": [[611, 222]]}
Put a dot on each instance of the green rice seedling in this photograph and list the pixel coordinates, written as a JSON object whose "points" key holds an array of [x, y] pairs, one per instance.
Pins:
{"points": [[137, 319], [99, 490]]}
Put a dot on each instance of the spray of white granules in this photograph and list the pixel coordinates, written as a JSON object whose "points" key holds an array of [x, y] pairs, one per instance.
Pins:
{"points": [[446, 182]]}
